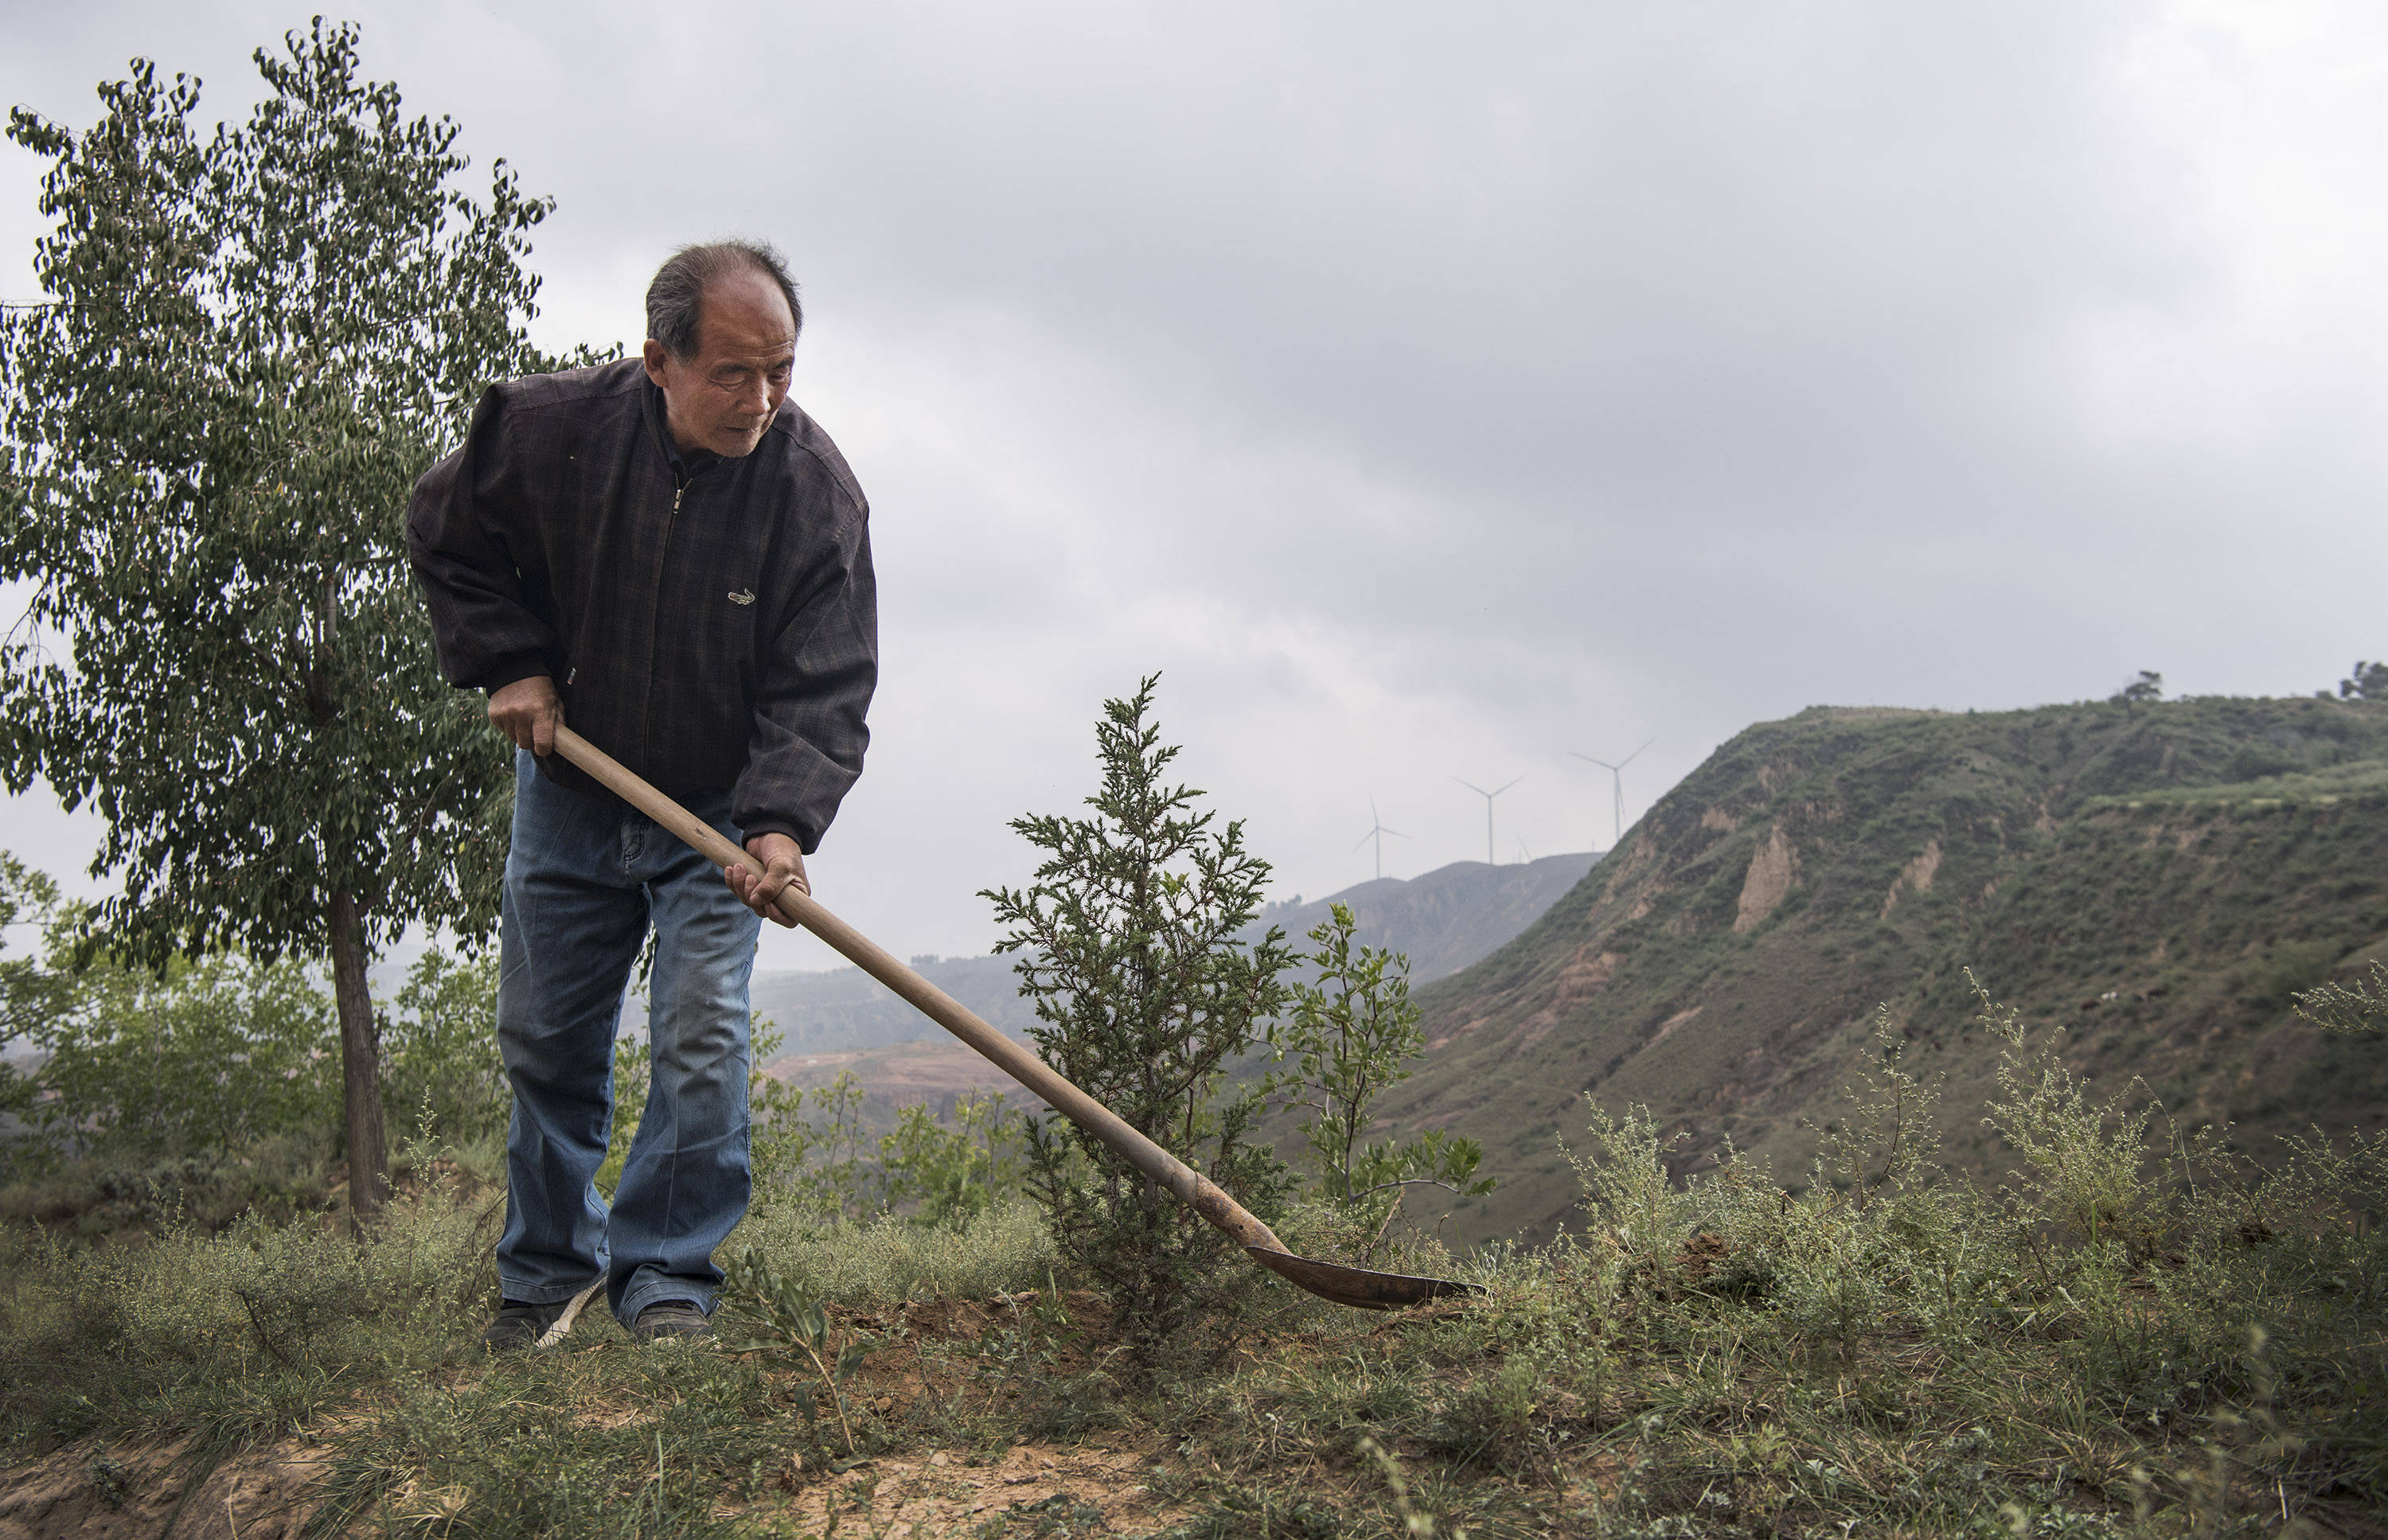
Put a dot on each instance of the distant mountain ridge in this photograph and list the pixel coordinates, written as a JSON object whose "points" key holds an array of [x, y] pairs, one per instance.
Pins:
{"points": [[2158, 878], [1449, 917], [1444, 920]]}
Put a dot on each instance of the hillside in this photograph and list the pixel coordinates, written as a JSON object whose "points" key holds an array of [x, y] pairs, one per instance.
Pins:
{"points": [[2158, 881]]}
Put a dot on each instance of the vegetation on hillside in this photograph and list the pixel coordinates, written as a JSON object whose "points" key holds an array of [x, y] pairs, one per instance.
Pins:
{"points": [[2127, 1330], [2157, 879], [206, 1091], [2125, 1327], [2128, 1339]]}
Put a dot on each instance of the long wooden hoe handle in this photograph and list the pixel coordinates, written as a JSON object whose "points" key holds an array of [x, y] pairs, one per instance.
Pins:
{"points": [[1191, 1187]]}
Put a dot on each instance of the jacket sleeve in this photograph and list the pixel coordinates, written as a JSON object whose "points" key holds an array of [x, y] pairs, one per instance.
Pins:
{"points": [[812, 690], [485, 631]]}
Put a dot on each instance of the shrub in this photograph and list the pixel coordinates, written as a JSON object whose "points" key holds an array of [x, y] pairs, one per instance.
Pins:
{"points": [[1144, 994], [32, 995], [2088, 1169], [169, 1080], [1350, 1035], [814, 1168], [2358, 1008], [110, 1194], [440, 1048], [207, 1058], [251, 1329], [942, 1174]]}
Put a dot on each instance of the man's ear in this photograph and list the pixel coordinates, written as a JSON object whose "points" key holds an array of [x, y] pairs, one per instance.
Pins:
{"points": [[653, 355]]}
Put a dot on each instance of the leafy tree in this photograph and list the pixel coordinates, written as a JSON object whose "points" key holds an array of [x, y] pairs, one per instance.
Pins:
{"points": [[1128, 943], [2366, 681], [1350, 1035], [2148, 687], [252, 344]]}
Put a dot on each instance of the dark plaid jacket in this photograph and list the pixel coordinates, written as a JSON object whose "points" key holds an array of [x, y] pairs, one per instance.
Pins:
{"points": [[710, 623]]}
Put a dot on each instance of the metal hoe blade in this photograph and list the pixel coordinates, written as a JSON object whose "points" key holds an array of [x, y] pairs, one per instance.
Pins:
{"points": [[1357, 1287]]}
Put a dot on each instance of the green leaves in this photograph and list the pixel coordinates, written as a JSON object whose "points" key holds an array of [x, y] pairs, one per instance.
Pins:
{"points": [[211, 1057], [439, 1047], [1127, 938], [252, 346], [255, 341], [1435, 1158], [948, 1175], [796, 1320], [1128, 943], [34, 996], [208, 1058], [1352, 1034]]}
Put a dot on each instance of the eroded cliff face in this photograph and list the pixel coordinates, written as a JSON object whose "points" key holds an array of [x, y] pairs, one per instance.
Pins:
{"points": [[2116, 873]]}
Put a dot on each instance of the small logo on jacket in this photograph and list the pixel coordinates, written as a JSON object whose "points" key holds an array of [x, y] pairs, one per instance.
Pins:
{"points": [[744, 595]]}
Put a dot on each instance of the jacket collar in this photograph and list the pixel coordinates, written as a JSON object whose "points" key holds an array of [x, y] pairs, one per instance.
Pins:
{"points": [[684, 466]]}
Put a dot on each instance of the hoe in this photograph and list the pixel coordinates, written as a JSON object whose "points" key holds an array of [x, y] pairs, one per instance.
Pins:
{"points": [[1357, 1287]]}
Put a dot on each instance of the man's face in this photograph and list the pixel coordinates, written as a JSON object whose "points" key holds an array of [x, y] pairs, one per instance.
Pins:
{"points": [[724, 397]]}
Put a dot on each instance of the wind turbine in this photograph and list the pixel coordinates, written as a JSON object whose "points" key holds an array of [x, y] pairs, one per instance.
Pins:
{"points": [[1376, 831], [1617, 775], [1488, 797]]}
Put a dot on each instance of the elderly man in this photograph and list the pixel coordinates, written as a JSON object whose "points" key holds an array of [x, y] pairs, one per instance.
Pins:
{"points": [[666, 552]]}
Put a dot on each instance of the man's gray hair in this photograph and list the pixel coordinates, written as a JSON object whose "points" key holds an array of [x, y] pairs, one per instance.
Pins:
{"points": [[678, 292]]}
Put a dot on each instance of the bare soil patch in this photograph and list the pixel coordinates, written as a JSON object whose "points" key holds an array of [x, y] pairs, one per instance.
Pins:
{"points": [[953, 1492], [100, 1491]]}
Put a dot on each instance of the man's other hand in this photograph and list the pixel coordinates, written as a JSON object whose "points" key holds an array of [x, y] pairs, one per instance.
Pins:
{"points": [[784, 866], [528, 711]]}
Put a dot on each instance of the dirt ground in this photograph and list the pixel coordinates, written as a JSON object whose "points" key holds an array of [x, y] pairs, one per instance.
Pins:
{"points": [[935, 1495], [1092, 1486], [103, 1492], [91, 1488], [96, 1492]]}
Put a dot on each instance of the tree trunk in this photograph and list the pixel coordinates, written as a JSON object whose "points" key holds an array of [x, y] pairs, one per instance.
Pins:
{"points": [[359, 1065]]}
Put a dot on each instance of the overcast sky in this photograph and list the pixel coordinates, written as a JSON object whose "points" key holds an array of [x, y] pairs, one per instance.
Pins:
{"points": [[1433, 392]]}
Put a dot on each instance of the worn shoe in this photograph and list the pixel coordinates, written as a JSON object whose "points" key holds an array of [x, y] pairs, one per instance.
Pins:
{"points": [[520, 1327], [669, 1320]]}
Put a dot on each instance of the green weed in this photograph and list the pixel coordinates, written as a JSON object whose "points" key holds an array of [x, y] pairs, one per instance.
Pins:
{"points": [[867, 1262]]}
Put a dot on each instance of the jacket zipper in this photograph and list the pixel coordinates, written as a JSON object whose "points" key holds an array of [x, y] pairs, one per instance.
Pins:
{"points": [[655, 624]]}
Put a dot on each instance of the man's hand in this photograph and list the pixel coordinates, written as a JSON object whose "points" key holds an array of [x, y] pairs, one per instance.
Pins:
{"points": [[528, 711], [784, 866]]}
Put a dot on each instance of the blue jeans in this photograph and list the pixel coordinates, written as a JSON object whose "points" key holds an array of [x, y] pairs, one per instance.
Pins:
{"points": [[584, 881]]}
